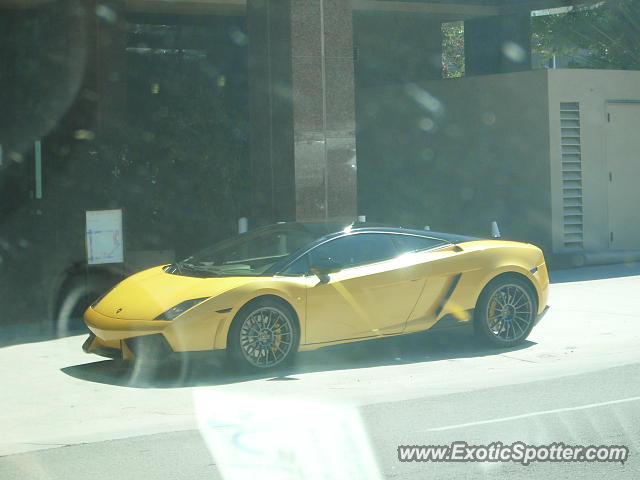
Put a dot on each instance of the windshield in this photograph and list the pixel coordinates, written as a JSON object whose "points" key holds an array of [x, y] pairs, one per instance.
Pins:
{"points": [[248, 254]]}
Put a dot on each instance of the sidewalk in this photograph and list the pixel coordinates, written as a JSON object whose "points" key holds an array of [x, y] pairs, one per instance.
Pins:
{"points": [[591, 325]]}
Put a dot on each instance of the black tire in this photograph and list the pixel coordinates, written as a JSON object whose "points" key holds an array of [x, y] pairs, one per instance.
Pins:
{"points": [[264, 336], [505, 312], [74, 301], [74, 296]]}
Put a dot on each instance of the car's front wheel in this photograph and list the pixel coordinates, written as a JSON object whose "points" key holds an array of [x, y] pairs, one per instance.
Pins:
{"points": [[263, 335], [506, 311]]}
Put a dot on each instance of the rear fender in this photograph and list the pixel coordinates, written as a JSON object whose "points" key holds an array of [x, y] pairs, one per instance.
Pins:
{"points": [[482, 265], [472, 284]]}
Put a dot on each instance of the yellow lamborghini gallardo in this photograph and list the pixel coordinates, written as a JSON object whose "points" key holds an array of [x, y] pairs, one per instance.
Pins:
{"points": [[261, 296]]}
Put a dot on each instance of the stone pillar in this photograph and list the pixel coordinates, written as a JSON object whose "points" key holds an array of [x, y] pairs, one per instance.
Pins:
{"points": [[497, 44], [110, 64], [302, 110]]}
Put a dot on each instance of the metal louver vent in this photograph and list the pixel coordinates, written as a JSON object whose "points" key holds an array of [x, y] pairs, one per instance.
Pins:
{"points": [[571, 175]]}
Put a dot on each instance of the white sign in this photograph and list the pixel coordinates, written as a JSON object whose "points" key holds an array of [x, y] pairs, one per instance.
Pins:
{"points": [[104, 237], [273, 438]]}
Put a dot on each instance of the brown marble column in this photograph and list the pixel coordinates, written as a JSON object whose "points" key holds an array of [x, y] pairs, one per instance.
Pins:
{"points": [[302, 110], [110, 34]]}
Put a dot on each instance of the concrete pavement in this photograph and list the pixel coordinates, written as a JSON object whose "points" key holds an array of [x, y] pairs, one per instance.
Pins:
{"points": [[55, 395]]}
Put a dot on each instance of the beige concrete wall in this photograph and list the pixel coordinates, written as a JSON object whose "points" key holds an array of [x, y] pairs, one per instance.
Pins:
{"points": [[501, 123], [592, 89], [457, 154]]}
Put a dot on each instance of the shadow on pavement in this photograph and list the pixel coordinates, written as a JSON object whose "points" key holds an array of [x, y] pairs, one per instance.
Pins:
{"points": [[597, 272], [194, 371], [26, 332]]}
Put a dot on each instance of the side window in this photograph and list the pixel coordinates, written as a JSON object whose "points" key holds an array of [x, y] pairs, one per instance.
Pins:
{"points": [[277, 243], [356, 249], [412, 243], [297, 268]]}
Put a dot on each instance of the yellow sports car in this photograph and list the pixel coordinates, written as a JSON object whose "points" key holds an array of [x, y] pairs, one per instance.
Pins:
{"points": [[261, 296]]}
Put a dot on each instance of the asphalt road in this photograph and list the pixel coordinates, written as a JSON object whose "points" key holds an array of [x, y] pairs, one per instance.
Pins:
{"points": [[66, 415]]}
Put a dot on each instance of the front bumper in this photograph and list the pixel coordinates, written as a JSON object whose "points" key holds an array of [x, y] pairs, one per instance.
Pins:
{"points": [[110, 328], [158, 339], [125, 339], [148, 346], [93, 345], [153, 347]]}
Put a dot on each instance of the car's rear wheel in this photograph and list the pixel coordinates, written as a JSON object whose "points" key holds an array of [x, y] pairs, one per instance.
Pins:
{"points": [[264, 335], [506, 311]]}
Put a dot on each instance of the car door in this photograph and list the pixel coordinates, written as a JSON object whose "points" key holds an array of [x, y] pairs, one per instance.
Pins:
{"points": [[371, 295]]}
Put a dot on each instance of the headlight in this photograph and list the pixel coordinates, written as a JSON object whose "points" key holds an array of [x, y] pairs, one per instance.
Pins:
{"points": [[173, 312]]}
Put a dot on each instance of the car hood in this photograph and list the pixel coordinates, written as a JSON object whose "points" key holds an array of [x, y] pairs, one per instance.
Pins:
{"points": [[149, 293]]}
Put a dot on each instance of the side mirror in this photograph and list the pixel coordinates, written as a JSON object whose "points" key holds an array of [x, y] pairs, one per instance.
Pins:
{"points": [[322, 267]]}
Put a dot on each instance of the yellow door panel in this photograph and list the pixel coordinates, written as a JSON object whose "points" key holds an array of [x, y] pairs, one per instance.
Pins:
{"points": [[362, 301]]}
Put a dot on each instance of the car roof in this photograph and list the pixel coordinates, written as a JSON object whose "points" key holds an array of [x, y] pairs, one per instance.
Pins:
{"points": [[449, 237], [330, 229]]}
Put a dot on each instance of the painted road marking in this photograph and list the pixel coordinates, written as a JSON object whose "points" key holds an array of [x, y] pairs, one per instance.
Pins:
{"points": [[535, 414]]}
